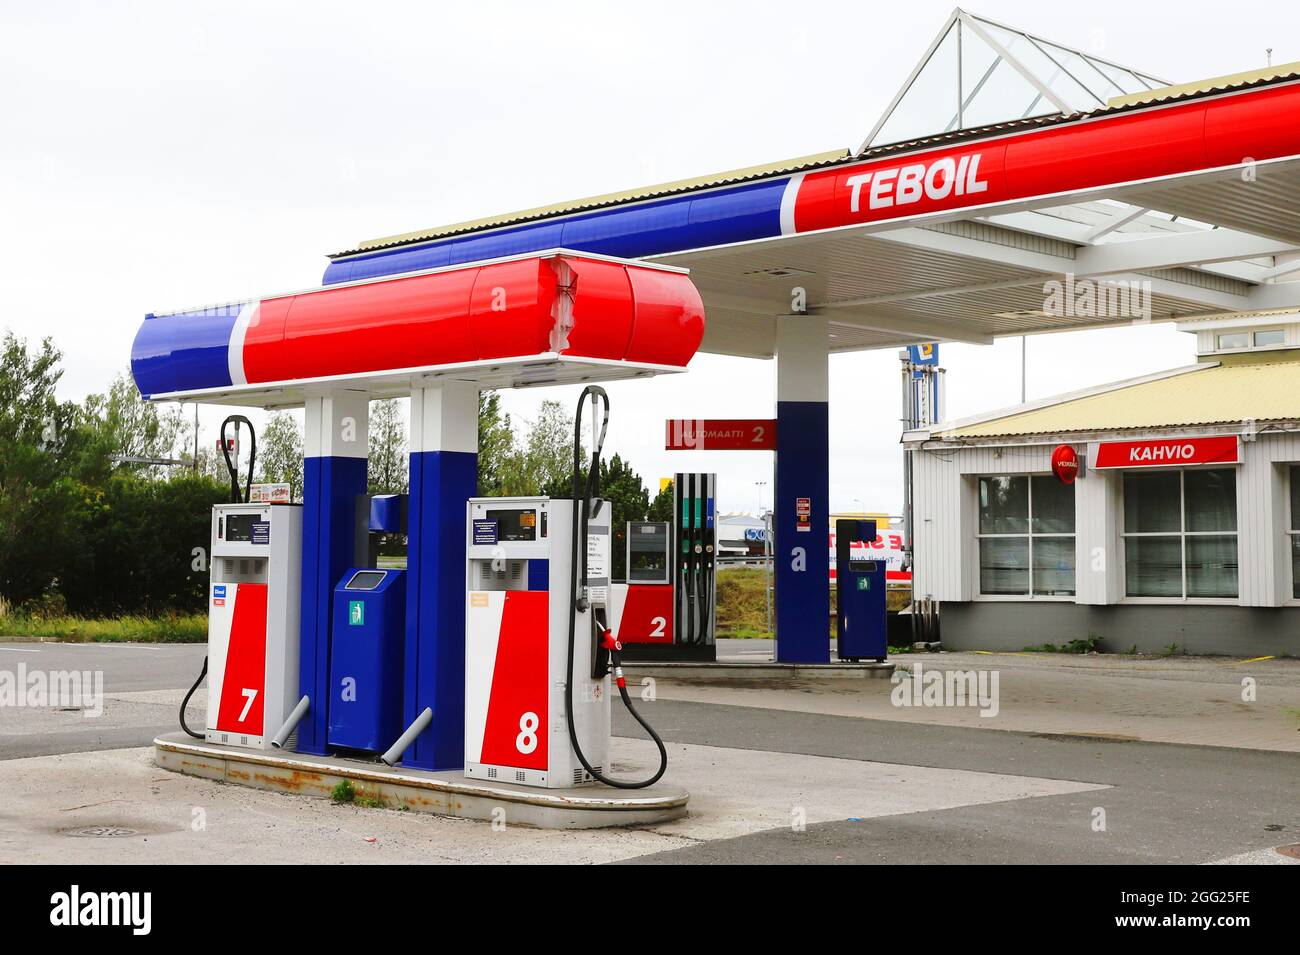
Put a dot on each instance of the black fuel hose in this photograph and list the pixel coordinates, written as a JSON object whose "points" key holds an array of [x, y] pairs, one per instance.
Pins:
{"points": [[233, 467], [186, 702], [581, 495]]}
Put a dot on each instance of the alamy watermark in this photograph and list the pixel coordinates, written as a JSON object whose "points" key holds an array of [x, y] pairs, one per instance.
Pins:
{"points": [[1097, 298], [65, 689], [922, 687]]}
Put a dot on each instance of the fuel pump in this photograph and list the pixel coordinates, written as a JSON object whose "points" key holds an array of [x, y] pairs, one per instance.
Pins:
{"points": [[236, 497], [253, 613], [695, 558], [539, 653]]}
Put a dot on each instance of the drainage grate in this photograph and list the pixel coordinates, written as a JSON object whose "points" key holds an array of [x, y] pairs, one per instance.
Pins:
{"points": [[100, 832]]}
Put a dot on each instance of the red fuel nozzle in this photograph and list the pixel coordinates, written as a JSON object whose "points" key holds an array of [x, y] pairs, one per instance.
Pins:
{"points": [[610, 643]]}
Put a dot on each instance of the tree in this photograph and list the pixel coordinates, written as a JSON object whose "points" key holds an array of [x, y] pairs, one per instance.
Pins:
{"points": [[40, 439], [661, 508], [279, 452], [548, 450], [629, 501], [122, 424], [496, 445], [388, 472], [541, 464]]}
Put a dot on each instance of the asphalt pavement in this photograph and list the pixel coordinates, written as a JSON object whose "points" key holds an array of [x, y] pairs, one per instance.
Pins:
{"points": [[1166, 803]]}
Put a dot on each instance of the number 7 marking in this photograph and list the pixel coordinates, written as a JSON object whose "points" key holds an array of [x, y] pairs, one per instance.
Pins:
{"points": [[249, 695]]}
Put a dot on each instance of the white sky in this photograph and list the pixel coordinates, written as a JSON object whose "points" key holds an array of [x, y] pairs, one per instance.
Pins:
{"points": [[159, 155]]}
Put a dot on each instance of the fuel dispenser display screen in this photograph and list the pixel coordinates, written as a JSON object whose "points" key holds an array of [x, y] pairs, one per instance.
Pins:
{"points": [[648, 552], [517, 525], [239, 528]]}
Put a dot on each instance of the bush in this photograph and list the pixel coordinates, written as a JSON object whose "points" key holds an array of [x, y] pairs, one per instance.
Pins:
{"points": [[137, 547]]}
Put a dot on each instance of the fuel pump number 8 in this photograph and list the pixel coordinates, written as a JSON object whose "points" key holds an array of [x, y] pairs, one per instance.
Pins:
{"points": [[526, 741]]}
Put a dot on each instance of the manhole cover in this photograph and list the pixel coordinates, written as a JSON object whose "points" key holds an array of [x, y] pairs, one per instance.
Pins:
{"points": [[1292, 851], [100, 832]]}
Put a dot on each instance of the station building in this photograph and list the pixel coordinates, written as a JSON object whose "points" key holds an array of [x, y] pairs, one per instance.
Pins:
{"points": [[1181, 528]]}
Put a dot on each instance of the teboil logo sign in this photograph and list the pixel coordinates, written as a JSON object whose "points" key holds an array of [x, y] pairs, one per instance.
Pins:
{"points": [[96, 909]]}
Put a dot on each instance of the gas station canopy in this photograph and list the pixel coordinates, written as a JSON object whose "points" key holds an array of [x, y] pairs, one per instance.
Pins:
{"points": [[1006, 162]]}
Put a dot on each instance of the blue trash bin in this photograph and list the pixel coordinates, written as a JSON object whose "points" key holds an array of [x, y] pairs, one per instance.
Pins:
{"points": [[367, 646]]}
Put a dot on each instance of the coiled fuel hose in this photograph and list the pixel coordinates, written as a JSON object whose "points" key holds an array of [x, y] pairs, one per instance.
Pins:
{"points": [[583, 495]]}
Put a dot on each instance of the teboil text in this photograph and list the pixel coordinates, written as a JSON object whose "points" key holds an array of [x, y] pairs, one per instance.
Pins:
{"points": [[902, 185]]}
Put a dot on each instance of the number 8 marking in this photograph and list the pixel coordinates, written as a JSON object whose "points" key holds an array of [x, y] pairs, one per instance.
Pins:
{"points": [[526, 741]]}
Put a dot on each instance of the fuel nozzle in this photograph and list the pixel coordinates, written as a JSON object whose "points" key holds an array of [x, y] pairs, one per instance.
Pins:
{"points": [[611, 645]]}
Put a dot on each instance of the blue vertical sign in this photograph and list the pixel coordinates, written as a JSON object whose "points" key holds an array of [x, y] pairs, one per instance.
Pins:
{"points": [[927, 354]]}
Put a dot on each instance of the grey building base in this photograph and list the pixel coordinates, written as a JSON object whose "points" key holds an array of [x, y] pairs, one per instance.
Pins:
{"points": [[1233, 631]]}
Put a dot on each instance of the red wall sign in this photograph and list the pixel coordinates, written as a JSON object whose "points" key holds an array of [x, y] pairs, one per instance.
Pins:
{"points": [[1168, 452], [1065, 463], [728, 434]]}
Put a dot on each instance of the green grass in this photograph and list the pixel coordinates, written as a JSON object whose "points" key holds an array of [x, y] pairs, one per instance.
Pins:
{"points": [[343, 791], [742, 606], [742, 609], [171, 628]]}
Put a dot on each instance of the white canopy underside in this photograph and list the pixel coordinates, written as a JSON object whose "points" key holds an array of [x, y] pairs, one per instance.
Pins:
{"points": [[1208, 244]]}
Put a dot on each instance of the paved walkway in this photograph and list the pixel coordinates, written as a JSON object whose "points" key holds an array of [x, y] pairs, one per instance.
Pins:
{"points": [[1193, 700]]}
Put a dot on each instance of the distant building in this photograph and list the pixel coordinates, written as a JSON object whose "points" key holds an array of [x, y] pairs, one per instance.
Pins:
{"points": [[1183, 526]]}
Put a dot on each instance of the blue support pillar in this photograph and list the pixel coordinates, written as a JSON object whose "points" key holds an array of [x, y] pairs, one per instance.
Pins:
{"points": [[444, 475], [801, 512], [334, 474]]}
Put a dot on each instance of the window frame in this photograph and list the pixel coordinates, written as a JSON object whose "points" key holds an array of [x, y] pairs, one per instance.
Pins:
{"points": [[1029, 534], [1181, 536], [1291, 530]]}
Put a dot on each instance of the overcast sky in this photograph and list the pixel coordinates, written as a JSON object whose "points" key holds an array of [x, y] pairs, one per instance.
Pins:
{"points": [[159, 155]]}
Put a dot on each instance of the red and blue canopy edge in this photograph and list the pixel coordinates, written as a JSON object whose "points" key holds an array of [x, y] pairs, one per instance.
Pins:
{"points": [[1201, 133], [526, 319]]}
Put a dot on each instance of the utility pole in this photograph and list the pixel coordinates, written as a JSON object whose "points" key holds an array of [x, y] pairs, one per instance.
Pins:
{"points": [[1023, 367]]}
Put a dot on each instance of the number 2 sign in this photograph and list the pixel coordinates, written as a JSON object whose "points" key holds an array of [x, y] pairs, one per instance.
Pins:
{"points": [[731, 434]]}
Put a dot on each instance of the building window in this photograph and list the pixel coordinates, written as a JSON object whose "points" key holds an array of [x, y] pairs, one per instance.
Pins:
{"points": [[1269, 337], [1229, 340], [1180, 533], [1026, 536], [1293, 531]]}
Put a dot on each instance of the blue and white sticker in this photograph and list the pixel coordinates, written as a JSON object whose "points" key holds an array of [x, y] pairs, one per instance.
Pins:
{"points": [[262, 532], [485, 532]]}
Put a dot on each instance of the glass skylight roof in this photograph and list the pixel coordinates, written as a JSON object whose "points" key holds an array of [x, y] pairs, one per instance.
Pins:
{"points": [[978, 72]]}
